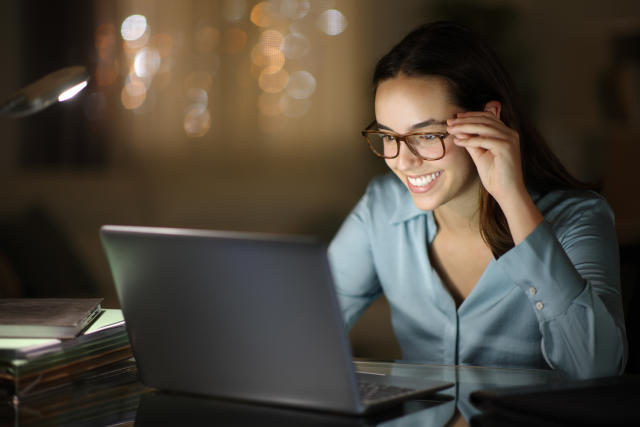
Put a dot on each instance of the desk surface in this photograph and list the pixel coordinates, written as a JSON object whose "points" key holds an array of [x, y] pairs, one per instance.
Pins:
{"points": [[122, 403]]}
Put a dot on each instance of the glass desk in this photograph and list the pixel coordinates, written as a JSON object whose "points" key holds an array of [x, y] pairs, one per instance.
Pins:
{"points": [[129, 401]]}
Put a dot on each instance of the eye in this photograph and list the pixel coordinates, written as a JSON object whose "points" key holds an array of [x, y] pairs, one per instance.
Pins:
{"points": [[388, 138], [428, 138]]}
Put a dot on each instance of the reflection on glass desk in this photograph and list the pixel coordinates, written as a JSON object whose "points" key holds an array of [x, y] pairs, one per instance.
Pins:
{"points": [[95, 404]]}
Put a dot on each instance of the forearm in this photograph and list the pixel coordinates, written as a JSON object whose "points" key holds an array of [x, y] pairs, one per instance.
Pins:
{"points": [[522, 214]]}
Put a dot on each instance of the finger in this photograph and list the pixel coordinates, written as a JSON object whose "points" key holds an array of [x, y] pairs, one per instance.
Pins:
{"points": [[475, 153], [496, 145], [486, 119], [480, 129]]}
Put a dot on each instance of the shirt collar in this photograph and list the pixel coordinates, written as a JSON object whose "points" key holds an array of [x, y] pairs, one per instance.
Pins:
{"points": [[406, 209]]}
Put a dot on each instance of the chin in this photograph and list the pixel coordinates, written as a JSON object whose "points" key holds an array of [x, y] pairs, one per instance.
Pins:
{"points": [[425, 202]]}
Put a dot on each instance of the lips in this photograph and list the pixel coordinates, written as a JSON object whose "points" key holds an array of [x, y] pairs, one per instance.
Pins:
{"points": [[423, 183]]}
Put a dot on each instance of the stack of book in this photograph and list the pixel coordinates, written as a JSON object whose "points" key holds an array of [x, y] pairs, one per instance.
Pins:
{"points": [[56, 353]]}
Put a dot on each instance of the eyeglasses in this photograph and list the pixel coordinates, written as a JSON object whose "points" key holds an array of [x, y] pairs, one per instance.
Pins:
{"points": [[425, 145]]}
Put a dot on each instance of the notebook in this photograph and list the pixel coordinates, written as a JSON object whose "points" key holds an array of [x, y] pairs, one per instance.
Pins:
{"points": [[245, 316], [62, 318]]}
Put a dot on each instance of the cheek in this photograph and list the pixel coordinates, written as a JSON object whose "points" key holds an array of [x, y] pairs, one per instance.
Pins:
{"points": [[390, 163], [458, 158]]}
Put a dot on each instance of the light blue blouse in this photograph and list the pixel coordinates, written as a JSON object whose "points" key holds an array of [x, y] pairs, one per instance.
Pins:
{"points": [[553, 301]]}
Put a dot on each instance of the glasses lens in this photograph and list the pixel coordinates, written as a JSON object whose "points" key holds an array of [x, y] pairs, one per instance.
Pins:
{"points": [[382, 144], [429, 146]]}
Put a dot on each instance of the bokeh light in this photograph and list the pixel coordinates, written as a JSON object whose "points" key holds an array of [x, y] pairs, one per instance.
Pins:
{"points": [[273, 82], [197, 96], [147, 62], [233, 10], [266, 53], [332, 22], [294, 9], [301, 85], [105, 41], [197, 121], [295, 45], [132, 97], [133, 27], [234, 40], [135, 86], [261, 14]]}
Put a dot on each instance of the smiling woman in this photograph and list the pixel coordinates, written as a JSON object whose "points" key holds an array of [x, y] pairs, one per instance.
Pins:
{"points": [[488, 251]]}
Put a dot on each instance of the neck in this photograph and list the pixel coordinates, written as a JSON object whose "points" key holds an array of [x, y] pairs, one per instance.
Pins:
{"points": [[460, 215]]}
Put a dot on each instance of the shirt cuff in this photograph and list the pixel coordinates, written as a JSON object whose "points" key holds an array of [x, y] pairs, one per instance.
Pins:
{"points": [[541, 268]]}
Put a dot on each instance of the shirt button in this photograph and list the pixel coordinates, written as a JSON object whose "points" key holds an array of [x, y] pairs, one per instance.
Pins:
{"points": [[539, 305], [532, 291]]}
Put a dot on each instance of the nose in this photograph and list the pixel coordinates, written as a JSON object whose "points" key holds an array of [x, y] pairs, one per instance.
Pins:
{"points": [[406, 160]]}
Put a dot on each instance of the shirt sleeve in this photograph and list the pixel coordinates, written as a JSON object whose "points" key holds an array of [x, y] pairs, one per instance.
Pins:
{"points": [[352, 266], [572, 280]]}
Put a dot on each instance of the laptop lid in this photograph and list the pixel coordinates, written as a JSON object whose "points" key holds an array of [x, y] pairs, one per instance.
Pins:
{"points": [[236, 315]]}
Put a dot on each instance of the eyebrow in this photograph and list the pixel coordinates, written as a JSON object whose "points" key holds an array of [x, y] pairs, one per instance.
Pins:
{"points": [[424, 123]]}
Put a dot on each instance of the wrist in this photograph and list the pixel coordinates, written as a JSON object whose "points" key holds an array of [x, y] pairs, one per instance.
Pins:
{"points": [[521, 213]]}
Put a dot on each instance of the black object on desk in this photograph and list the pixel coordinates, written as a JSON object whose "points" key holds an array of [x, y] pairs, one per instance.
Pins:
{"points": [[161, 408], [608, 402]]}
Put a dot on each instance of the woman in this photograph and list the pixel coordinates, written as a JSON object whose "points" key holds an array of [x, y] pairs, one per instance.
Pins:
{"points": [[487, 250]]}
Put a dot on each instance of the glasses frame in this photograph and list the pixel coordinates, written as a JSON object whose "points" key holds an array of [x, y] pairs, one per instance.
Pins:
{"points": [[403, 137]]}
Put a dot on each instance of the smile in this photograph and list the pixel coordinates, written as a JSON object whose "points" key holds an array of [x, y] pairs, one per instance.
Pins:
{"points": [[423, 180]]}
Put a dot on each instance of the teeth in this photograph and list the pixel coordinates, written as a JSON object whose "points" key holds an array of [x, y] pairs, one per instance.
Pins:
{"points": [[424, 180]]}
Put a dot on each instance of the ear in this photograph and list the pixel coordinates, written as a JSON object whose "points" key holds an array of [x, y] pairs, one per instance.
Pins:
{"points": [[494, 107]]}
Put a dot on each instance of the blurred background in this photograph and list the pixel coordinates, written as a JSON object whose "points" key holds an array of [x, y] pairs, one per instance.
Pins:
{"points": [[245, 115]]}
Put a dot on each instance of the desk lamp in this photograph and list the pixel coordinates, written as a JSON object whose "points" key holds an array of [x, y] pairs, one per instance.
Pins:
{"points": [[57, 86]]}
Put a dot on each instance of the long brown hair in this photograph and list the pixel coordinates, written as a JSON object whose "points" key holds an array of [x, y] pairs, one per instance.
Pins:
{"points": [[476, 76]]}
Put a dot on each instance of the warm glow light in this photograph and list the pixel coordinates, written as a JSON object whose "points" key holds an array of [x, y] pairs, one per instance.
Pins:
{"points": [[301, 85], [135, 86], [105, 41], [271, 41], [273, 82], [71, 92], [261, 14], [234, 40], [266, 53], [332, 22], [133, 27], [272, 63], [131, 101]]}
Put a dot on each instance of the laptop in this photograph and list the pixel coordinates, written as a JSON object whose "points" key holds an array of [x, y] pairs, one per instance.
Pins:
{"points": [[244, 316]]}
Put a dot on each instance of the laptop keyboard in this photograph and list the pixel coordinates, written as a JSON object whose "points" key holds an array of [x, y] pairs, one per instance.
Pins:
{"points": [[372, 392]]}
